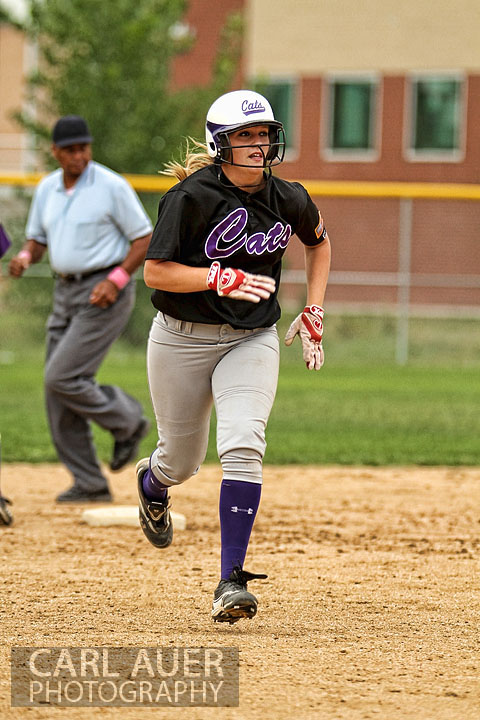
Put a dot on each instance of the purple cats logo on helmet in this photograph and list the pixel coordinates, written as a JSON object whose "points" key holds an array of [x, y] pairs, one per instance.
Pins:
{"points": [[249, 108]]}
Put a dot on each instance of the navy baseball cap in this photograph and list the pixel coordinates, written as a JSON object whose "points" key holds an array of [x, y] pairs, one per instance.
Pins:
{"points": [[71, 130]]}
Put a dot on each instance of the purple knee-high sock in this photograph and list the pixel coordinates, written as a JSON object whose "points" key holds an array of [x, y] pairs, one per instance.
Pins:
{"points": [[153, 488], [239, 503]]}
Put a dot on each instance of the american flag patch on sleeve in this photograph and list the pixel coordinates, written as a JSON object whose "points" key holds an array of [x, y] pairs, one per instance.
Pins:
{"points": [[320, 230]]}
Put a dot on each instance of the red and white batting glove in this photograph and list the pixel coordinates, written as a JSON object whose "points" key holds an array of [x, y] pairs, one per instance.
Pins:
{"points": [[239, 285], [309, 325]]}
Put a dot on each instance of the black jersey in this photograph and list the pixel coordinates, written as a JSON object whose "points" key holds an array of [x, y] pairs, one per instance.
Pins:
{"points": [[206, 218]]}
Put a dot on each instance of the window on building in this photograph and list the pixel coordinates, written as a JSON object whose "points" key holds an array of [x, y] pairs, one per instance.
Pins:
{"points": [[281, 96], [352, 105], [437, 112]]}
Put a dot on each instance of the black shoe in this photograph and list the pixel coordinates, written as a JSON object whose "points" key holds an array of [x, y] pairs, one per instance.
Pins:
{"points": [[76, 495], [155, 519], [5, 514], [231, 601], [124, 451]]}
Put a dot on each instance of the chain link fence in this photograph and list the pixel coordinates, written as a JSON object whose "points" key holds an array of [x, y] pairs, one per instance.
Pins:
{"points": [[405, 267]]}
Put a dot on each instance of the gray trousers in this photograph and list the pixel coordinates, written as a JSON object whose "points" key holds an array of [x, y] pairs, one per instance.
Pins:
{"points": [[190, 367], [78, 337]]}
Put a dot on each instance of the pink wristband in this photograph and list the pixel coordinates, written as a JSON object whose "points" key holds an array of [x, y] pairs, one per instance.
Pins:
{"points": [[119, 277], [25, 255]]}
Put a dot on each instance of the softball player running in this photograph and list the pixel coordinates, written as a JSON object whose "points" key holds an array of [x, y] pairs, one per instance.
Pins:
{"points": [[214, 338]]}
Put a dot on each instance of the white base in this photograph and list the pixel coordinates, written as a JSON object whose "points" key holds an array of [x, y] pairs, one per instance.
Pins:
{"points": [[124, 515]]}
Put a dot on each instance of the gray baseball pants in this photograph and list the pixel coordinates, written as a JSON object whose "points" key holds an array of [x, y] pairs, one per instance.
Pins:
{"points": [[192, 366], [78, 337]]}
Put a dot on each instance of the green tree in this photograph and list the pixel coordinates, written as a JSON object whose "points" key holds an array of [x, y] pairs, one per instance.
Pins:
{"points": [[111, 63]]}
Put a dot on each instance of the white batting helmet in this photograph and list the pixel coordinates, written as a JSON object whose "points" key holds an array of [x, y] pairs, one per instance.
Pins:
{"points": [[236, 110]]}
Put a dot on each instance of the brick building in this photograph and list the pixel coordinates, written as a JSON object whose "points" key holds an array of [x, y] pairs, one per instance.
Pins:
{"points": [[376, 91], [16, 58], [381, 91]]}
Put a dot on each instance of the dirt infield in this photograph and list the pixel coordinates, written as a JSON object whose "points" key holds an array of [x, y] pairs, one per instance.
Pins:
{"points": [[371, 608]]}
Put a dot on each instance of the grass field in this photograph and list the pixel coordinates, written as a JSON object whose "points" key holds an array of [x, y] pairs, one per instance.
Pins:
{"points": [[360, 408], [347, 415]]}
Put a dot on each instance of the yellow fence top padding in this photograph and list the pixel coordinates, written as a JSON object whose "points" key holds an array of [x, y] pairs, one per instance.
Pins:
{"points": [[333, 188]]}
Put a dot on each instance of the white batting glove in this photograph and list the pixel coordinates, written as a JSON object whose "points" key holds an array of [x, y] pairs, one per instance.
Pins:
{"points": [[239, 285], [309, 326]]}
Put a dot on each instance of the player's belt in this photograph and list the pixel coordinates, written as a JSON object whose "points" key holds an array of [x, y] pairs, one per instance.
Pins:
{"points": [[76, 277]]}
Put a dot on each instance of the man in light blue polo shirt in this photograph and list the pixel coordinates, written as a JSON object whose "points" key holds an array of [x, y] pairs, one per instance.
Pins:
{"points": [[97, 234]]}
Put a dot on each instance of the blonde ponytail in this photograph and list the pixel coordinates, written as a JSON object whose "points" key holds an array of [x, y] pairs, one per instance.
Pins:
{"points": [[196, 157]]}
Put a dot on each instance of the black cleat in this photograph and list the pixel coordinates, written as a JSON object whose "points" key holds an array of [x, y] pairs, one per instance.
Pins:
{"points": [[125, 451], [231, 600], [76, 495], [5, 514], [155, 519]]}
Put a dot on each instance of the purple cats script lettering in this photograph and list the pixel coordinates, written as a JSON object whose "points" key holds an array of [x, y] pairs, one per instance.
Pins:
{"points": [[229, 236], [250, 108]]}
